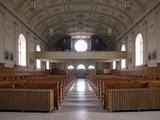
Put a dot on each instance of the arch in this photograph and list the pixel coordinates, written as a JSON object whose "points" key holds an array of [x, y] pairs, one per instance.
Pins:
{"points": [[45, 30], [70, 67], [123, 61], [139, 50], [123, 48], [38, 62], [114, 65], [21, 50], [91, 67], [81, 67], [118, 20], [97, 3], [38, 48]]}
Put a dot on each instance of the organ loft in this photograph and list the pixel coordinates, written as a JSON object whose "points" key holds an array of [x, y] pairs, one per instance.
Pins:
{"points": [[79, 59]]}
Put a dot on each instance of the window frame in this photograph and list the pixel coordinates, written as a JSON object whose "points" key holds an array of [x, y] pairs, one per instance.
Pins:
{"points": [[114, 65], [38, 61], [139, 50], [22, 50], [81, 67], [123, 61]]}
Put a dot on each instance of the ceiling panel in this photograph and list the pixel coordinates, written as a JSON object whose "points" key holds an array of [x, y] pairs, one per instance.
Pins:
{"points": [[68, 16]]}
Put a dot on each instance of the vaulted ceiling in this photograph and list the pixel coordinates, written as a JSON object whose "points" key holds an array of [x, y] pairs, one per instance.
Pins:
{"points": [[91, 17]]}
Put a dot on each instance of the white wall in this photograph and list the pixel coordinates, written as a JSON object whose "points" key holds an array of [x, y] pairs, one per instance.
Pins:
{"points": [[150, 28], [10, 28]]}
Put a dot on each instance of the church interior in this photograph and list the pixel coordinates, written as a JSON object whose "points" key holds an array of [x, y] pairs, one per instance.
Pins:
{"points": [[79, 59]]}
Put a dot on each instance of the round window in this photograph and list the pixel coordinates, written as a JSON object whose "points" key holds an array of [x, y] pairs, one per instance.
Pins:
{"points": [[81, 46]]}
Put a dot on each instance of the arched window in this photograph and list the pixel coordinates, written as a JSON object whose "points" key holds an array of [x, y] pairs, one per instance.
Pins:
{"points": [[47, 65], [81, 46], [91, 67], [70, 67], [114, 65], [21, 50], [81, 66], [123, 62], [139, 50], [38, 62]]}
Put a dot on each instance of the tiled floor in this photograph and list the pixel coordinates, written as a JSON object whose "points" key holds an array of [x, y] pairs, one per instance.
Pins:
{"points": [[81, 97], [81, 104]]}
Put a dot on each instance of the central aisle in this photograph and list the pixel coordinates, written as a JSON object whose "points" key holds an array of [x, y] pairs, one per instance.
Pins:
{"points": [[81, 97], [80, 104]]}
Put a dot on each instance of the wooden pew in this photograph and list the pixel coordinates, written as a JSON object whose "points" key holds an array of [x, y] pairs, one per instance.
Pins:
{"points": [[56, 83], [120, 85], [105, 83], [52, 86], [133, 99], [26, 100], [6, 85], [25, 78]]}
